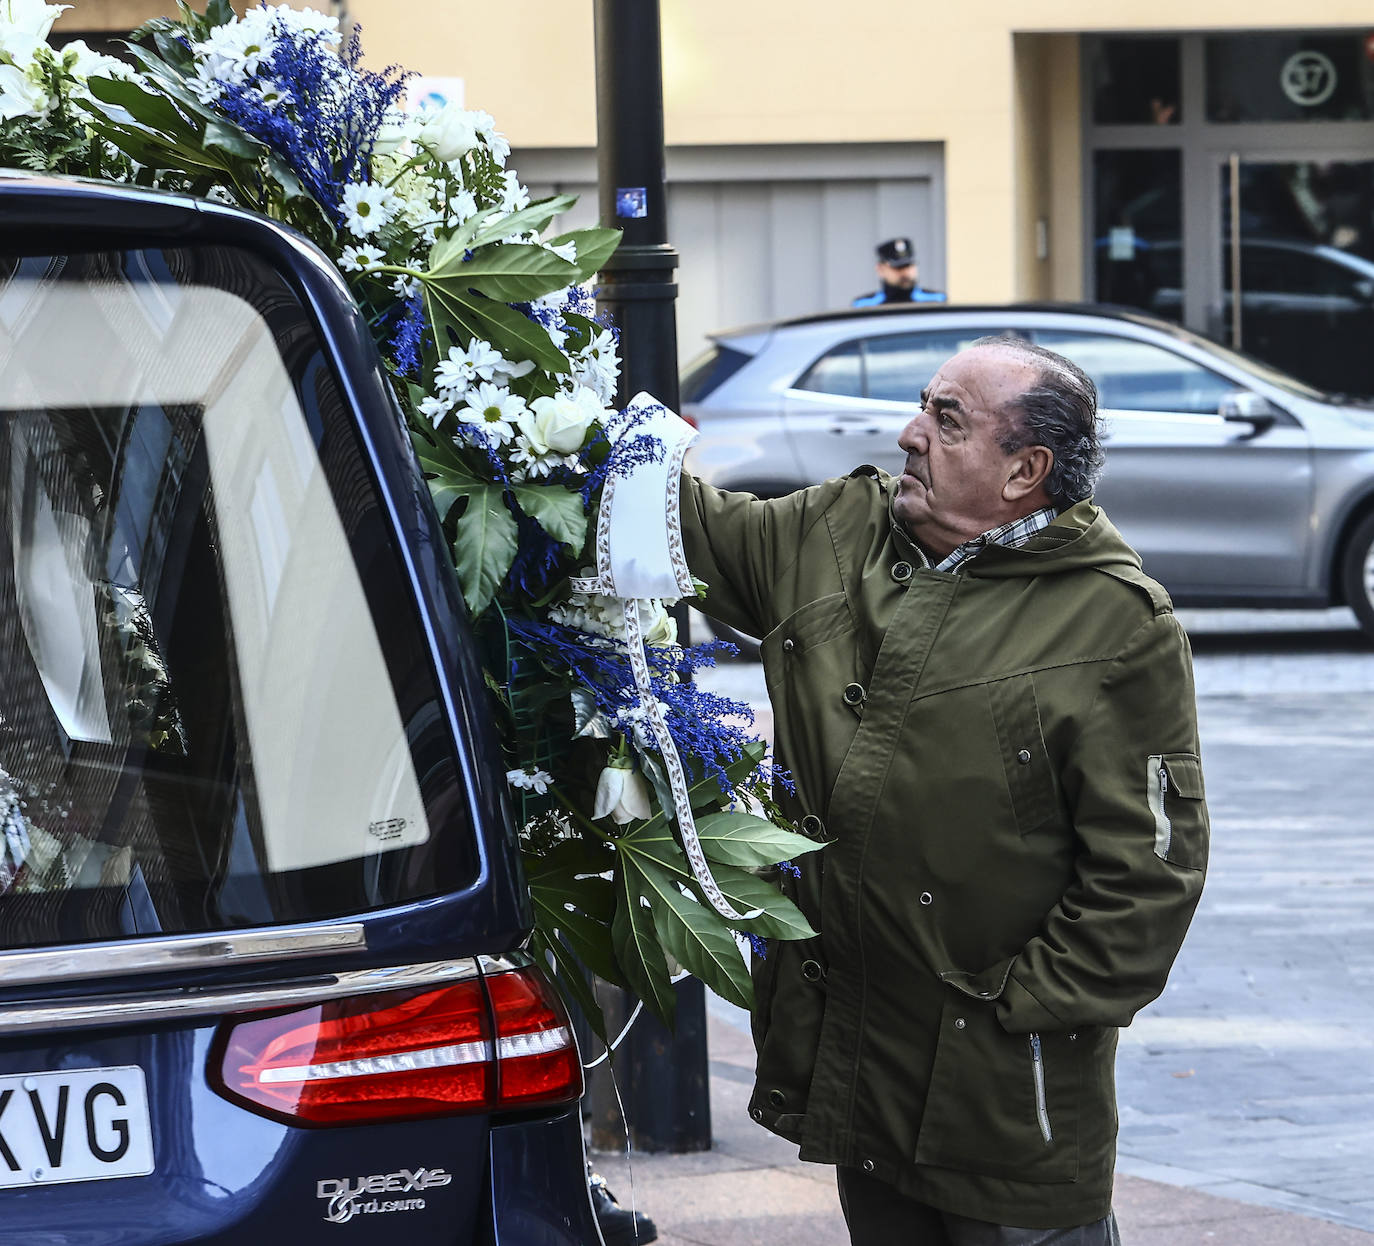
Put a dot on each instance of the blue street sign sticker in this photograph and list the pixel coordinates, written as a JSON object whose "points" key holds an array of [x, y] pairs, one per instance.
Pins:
{"points": [[631, 202]]}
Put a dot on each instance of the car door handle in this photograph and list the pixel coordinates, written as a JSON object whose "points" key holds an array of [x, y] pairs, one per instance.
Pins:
{"points": [[850, 430]]}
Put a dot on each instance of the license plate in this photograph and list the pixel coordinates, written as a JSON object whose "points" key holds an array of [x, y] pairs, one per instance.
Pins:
{"points": [[74, 1125]]}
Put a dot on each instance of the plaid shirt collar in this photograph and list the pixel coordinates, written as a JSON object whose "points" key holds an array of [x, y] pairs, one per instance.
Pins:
{"points": [[1018, 532]]}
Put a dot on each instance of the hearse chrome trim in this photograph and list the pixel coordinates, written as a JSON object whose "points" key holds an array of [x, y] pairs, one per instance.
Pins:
{"points": [[166, 955], [138, 1007]]}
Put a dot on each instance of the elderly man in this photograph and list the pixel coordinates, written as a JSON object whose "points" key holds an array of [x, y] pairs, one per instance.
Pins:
{"points": [[988, 710]]}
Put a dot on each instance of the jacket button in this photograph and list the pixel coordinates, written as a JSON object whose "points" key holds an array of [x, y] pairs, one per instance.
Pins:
{"points": [[756, 1113], [812, 827], [776, 1099], [811, 970], [1023, 757], [927, 898], [868, 1165], [788, 645], [901, 572], [959, 1023], [854, 694]]}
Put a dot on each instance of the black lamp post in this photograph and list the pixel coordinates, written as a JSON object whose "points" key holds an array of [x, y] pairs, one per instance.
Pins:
{"points": [[662, 1077]]}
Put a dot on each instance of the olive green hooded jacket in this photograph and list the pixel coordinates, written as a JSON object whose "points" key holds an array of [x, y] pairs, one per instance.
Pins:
{"points": [[1004, 761]]}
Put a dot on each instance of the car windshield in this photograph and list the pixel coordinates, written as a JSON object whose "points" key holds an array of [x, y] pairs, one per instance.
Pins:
{"points": [[217, 707]]}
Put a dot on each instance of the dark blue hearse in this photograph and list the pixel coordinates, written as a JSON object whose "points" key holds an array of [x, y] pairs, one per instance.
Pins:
{"points": [[261, 910]]}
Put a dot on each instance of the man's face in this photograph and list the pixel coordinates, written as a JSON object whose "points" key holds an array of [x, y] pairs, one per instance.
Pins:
{"points": [[958, 482], [903, 276]]}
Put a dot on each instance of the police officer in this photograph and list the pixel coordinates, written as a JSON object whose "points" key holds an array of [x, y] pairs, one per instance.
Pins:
{"points": [[899, 276]]}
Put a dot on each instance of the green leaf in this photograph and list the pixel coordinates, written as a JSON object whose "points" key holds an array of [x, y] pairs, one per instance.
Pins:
{"points": [[231, 140], [637, 948], [779, 919], [559, 512], [588, 720], [472, 315], [695, 936], [536, 216], [513, 272], [749, 842], [448, 249], [594, 248], [577, 906], [484, 546], [449, 476], [155, 111]]}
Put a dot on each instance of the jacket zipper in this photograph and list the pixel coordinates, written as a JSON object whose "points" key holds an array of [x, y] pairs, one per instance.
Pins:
{"points": [[1163, 793], [1042, 1111]]}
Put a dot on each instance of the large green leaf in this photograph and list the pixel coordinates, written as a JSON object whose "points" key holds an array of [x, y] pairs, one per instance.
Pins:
{"points": [[695, 936], [779, 917], [536, 216], [556, 510], [513, 272], [594, 248], [152, 110], [748, 841], [448, 249], [232, 141], [449, 476], [470, 315], [484, 546], [637, 948]]}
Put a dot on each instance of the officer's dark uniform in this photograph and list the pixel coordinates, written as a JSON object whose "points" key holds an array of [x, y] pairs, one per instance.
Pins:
{"points": [[898, 252]]}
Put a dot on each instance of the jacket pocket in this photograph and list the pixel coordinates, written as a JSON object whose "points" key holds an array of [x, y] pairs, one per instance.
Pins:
{"points": [[813, 625], [1004, 1105], [1173, 786], [1025, 759]]}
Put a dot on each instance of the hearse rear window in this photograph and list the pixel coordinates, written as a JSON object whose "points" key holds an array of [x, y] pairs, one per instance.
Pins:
{"points": [[216, 708]]}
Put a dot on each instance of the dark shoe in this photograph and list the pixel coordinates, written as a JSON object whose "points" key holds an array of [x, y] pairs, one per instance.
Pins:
{"points": [[619, 1225]]}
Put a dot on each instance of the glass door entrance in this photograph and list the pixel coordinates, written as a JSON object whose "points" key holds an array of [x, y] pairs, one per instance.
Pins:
{"points": [[1297, 267]]}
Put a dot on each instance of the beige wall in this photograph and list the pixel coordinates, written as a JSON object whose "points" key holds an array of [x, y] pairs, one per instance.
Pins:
{"points": [[996, 81]]}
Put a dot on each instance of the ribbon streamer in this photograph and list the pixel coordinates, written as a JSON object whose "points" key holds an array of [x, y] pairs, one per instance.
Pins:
{"points": [[637, 558]]}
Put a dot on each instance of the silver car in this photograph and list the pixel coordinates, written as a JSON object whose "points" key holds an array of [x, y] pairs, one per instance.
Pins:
{"points": [[1238, 485]]}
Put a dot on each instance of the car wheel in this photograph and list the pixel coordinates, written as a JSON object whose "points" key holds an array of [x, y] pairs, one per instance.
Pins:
{"points": [[1357, 574]]}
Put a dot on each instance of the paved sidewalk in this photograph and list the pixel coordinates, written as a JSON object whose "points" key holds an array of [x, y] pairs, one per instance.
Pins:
{"points": [[751, 1190]]}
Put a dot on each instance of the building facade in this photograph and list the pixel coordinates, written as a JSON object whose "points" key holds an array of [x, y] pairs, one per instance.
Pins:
{"points": [[1192, 157]]}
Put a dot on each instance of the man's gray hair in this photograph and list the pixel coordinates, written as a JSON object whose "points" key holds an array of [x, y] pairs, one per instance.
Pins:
{"points": [[1059, 412]]}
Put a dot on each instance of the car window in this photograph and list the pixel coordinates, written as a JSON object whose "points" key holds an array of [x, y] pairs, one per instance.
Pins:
{"points": [[709, 371], [839, 371], [217, 706], [893, 367], [1131, 375], [900, 365]]}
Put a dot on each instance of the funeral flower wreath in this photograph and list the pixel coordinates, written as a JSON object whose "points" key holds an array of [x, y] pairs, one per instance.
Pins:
{"points": [[506, 377]]}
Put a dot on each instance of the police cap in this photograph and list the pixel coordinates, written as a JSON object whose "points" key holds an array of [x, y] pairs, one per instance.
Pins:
{"points": [[897, 251]]}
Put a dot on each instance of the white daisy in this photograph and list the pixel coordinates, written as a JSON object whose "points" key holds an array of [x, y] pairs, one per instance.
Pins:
{"points": [[404, 286], [357, 258], [462, 367], [494, 410], [485, 125], [564, 251], [434, 408], [530, 779], [367, 207], [514, 197]]}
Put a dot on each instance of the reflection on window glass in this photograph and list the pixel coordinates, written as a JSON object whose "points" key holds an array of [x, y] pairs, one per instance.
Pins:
{"points": [[839, 372], [1138, 376], [206, 717], [1136, 82], [1289, 77], [1137, 230]]}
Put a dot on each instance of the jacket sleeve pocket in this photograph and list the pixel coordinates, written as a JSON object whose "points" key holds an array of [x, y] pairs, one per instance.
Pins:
{"points": [[1025, 760], [1173, 785]]}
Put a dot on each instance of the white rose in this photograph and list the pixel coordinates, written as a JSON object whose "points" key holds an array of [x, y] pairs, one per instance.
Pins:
{"points": [[20, 96], [656, 623], [623, 794], [31, 16], [448, 132], [560, 423]]}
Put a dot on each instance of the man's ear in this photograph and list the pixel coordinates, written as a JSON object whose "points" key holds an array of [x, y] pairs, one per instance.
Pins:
{"points": [[1030, 469]]}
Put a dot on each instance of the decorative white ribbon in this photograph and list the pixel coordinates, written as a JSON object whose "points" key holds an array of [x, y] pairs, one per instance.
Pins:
{"points": [[638, 557]]}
